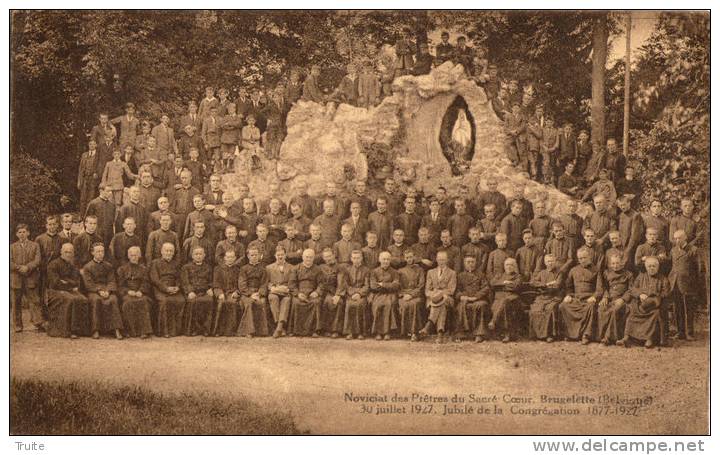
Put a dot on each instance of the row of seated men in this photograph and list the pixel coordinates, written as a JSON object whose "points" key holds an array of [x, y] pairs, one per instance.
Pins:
{"points": [[453, 286]]}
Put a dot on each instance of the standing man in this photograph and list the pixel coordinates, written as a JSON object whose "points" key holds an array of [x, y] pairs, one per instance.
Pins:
{"points": [[164, 136], [191, 118], [128, 125], [134, 209], [444, 50], [103, 129], [182, 202], [684, 285], [25, 260], [409, 221], [103, 209], [87, 175], [614, 161], [632, 230], [49, 243]]}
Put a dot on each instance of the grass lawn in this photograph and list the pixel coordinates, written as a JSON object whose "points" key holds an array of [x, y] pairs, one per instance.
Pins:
{"points": [[94, 408]]}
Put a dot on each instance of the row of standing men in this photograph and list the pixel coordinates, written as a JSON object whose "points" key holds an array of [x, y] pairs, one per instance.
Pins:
{"points": [[478, 238]]}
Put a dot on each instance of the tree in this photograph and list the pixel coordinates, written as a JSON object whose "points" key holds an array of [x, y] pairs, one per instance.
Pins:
{"points": [[34, 192], [600, 36], [672, 145], [64, 63]]}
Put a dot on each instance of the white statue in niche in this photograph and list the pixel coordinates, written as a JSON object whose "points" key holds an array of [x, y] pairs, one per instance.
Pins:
{"points": [[461, 139]]}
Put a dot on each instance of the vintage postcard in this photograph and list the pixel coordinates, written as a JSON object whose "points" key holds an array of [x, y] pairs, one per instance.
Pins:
{"points": [[359, 222]]}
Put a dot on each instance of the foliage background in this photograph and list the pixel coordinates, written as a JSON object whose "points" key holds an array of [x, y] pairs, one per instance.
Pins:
{"points": [[63, 65]]}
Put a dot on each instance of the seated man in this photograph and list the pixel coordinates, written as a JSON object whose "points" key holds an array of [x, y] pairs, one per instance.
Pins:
{"points": [[647, 315], [134, 291], [279, 277], [196, 278], [225, 290], [99, 278], [543, 311], [578, 306], [384, 285], [67, 307], [410, 296], [357, 287], [472, 296], [614, 283], [305, 306], [333, 306], [165, 279], [505, 287], [440, 288], [251, 286]]}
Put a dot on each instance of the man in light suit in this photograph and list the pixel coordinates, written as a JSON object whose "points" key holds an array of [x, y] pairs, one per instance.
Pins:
{"points": [[211, 134], [24, 277], [439, 290], [128, 125], [164, 136]]}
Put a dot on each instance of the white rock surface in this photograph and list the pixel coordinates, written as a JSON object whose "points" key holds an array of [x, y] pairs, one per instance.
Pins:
{"points": [[323, 140]]}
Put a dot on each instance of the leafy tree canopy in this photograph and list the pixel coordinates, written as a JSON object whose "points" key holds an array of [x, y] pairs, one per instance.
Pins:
{"points": [[65, 65]]}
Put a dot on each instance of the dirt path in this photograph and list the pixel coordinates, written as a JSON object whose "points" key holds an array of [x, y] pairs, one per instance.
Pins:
{"points": [[309, 378]]}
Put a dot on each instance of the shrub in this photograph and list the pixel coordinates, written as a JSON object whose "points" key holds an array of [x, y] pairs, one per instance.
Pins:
{"points": [[34, 191]]}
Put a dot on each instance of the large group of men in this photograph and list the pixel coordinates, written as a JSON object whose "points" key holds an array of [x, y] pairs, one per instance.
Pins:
{"points": [[165, 251], [178, 261]]}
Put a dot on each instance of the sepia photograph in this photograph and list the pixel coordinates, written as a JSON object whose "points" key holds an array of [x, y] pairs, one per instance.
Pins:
{"points": [[358, 222]]}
